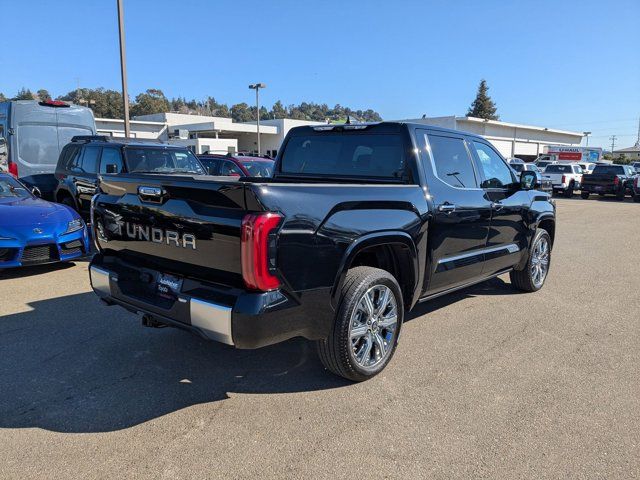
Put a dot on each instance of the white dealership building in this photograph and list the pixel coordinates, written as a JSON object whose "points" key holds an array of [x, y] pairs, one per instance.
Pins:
{"points": [[223, 135]]}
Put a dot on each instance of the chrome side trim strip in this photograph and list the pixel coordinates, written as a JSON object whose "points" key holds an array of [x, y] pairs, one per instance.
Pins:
{"points": [[214, 320], [511, 248], [100, 281]]}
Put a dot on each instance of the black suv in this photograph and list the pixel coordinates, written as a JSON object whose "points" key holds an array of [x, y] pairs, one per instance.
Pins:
{"points": [[87, 157]]}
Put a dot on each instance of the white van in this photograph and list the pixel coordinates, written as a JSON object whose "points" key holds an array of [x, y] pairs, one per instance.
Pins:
{"points": [[34, 134]]}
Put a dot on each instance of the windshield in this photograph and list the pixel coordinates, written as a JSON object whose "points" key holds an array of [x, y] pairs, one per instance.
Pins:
{"points": [[518, 167], [345, 155], [11, 188], [161, 160], [258, 168]]}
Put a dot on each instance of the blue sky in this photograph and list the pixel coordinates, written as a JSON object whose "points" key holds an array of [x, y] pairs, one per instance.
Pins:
{"points": [[564, 64]]}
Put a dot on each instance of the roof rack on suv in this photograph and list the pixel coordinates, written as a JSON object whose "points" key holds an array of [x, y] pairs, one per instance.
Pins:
{"points": [[90, 138]]}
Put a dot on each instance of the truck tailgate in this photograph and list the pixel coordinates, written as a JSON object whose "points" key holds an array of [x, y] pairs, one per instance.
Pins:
{"points": [[188, 225]]}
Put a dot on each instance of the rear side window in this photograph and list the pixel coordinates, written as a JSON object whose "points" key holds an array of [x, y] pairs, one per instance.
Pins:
{"points": [[345, 155], [111, 156], [452, 162], [90, 159], [68, 154], [229, 168]]}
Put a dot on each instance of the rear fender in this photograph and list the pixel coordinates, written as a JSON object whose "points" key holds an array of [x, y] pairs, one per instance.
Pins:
{"points": [[391, 238]]}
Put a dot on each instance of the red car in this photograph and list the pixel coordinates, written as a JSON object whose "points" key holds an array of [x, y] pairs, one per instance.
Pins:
{"points": [[227, 165]]}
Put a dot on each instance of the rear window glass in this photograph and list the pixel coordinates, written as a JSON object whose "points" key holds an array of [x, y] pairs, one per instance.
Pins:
{"points": [[558, 169], [609, 169], [346, 155], [161, 160]]}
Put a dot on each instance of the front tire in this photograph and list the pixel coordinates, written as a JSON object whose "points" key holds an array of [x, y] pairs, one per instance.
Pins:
{"points": [[365, 332], [68, 201], [584, 195], [532, 277]]}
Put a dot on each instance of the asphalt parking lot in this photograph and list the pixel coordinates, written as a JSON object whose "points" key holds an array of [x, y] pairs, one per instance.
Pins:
{"points": [[486, 383]]}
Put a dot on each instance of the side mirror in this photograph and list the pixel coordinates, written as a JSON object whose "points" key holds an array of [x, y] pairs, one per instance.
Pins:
{"points": [[528, 180], [36, 191], [112, 168]]}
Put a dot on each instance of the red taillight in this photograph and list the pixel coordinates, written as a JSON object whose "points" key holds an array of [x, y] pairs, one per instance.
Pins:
{"points": [[638, 182], [13, 169], [564, 179], [616, 181], [258, 249]]}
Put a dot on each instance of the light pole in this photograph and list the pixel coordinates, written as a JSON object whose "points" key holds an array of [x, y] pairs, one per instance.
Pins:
{"points": [[123, 69], [586, 136], [257, 87]]}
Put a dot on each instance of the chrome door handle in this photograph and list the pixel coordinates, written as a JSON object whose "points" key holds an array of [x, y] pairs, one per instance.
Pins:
{"points": [[447, 208]]}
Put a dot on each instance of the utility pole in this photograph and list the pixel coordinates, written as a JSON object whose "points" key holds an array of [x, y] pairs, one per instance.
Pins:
{"points": [[257, 87], [586, 136], [638, 139], [613, 143], [123, 69]]}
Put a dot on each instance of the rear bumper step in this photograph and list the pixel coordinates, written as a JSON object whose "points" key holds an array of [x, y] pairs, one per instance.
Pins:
{"points": [[210, 319], [242, 318]]}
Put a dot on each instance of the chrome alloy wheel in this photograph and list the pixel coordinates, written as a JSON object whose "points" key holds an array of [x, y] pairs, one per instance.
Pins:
{"points": [[540, 262], [373, 326]]}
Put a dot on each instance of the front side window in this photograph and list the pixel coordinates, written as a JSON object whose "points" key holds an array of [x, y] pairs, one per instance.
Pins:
{"points": [[111, 156], [496, 173], [452, 162], [258, 168], [365, 155]]}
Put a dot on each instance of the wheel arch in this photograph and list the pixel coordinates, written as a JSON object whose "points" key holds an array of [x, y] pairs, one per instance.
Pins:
{"points": [[394, 251]]}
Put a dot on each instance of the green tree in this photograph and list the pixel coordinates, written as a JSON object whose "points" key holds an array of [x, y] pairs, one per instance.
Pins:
{"points": [[483, 106], [24, 94], [43, 95], [240, 112], [278, 110], [2, 97], [104, 103], [152, 101]]}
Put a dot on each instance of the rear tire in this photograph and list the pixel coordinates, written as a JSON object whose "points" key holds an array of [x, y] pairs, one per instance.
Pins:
{"points": [[532, 277], [584, 195], [620, 196], [569, 191], [636, 198], [68, 201], [365, 333]]}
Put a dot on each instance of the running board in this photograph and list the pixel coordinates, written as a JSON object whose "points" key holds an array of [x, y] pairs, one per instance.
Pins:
{"points": [[466, 285]]}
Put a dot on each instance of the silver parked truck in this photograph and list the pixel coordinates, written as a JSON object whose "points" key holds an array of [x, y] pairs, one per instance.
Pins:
{"points": [[33, 133]]}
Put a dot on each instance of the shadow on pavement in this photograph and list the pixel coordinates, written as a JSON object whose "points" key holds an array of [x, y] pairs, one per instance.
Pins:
{"points": [[21, 272], [70, 364], [495, 286]]}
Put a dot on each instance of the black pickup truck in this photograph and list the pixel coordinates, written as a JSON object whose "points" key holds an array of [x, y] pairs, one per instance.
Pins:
{"points": [[611, 179], [359, 223]]}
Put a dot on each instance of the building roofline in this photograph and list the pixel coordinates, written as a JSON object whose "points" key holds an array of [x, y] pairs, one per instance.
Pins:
{"points": [[139, 122], [518, 125]]}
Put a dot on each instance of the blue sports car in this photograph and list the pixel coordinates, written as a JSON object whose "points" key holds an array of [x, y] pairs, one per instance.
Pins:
{"points": [[34, 231]]}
